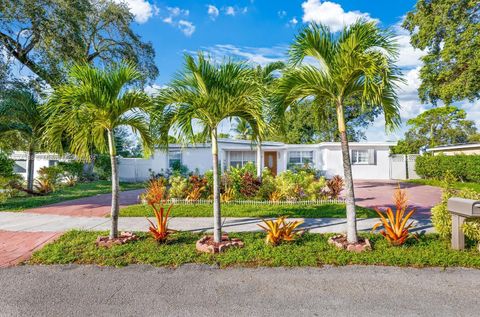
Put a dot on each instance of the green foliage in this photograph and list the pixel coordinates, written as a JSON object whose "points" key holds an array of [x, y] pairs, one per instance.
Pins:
{"points": [[61, 33], [442, 219], [447, 30], [102, 167], [48, 178], [178, 186], [72, 168], [310, 250], [463, 167], [178, 168], [6, 165], [267, 186], [434, 127]]}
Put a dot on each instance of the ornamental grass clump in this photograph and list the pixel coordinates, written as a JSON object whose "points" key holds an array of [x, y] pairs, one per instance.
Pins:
{"points": [[280, 230], [396, 229]]}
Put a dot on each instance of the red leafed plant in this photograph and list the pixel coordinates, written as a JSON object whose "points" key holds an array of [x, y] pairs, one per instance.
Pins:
{"points": [[335, 186], [250, 185], [155, 197], [395, 223]]}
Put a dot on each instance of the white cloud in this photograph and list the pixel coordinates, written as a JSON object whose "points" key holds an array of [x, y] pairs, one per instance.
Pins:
{"points": [[331, 14], [257, 55], [186, 27], [281, 14], [141, 9], [230, 11], [293, 21], [213, 11], [176, 17]]}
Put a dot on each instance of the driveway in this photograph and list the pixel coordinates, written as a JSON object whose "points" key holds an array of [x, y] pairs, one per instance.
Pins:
{"points": [[94, 206], [204, 291], [373, 194]]}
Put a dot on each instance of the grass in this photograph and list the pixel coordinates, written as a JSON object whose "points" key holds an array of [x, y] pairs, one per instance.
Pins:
{"points": [[438, 183], [64, 193], [232, 210], [309, 250]]}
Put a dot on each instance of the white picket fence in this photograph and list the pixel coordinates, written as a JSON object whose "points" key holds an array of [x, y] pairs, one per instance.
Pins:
{"points": [[256, 202]]}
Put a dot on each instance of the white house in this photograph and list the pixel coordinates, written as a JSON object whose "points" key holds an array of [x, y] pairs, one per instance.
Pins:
{"points": [[41, 160], [370, 160]]}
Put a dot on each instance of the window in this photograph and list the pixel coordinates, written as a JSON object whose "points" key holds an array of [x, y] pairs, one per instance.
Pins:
{"points": [[20, 166], [174, 159], [300, 158], [239, 159], [363, 157], [52, 163]]}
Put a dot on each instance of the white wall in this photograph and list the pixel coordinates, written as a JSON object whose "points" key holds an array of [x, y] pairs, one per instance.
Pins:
{"points": [[380, 170]]}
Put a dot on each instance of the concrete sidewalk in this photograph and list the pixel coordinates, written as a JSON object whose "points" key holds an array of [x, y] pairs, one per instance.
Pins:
{"points": [[14, 221]]}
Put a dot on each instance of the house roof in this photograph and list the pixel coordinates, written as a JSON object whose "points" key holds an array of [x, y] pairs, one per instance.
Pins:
{"points": [[461, 146]]}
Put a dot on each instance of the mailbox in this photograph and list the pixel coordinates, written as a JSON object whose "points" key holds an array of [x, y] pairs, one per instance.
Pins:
{"points": [[461, 209]]}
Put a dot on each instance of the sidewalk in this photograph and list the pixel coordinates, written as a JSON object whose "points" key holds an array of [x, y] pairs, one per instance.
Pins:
{"points": [[14, 221]]}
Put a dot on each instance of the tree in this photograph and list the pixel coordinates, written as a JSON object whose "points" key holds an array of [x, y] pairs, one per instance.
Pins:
{"points": [[434, 127], [448, 30], [242, 129], [205, 94], [309, 122], [47, 36], [356, 63], [89, 107], [21, 119]]}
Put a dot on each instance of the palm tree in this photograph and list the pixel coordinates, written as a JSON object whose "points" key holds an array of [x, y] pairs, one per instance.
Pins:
{"points": [[242, 129], [204, 94], [20, 113], [87, 109], [359, 62]]}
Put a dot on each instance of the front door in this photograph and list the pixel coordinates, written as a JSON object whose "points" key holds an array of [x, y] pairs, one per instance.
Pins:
{"points": [[270, 161]]}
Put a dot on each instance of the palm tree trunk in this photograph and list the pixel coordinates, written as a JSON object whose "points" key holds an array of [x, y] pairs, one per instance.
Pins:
{"points": [[259, 160], [217, 221], [347, 170], [30, 168], [115, 190]]}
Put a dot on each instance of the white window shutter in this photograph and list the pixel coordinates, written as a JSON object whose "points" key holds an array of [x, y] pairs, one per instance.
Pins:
{"points": [[371, 156]]}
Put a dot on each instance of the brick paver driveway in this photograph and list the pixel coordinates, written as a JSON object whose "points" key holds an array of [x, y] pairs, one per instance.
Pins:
{"points": [[373, 194], [95, 206]]}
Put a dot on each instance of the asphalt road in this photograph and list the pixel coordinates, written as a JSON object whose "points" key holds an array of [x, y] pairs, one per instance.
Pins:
{"points": [[204, 291]]}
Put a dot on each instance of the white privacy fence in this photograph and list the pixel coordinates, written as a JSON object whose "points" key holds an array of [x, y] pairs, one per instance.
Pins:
{"points": [[403, 166], [133, 169]]}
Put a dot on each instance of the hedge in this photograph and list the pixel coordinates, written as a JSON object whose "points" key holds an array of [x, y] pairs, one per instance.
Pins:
{"points": [[464, 167]]}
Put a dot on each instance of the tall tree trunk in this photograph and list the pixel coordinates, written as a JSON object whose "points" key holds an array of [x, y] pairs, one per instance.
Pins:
{"points": [[217, 221], [259, 159], [347, 170], [30, 167], [115, 186]]}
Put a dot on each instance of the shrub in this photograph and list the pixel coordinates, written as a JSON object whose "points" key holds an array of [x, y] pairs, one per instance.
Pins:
{"points": [[228, 195], [442, 219], [396, 228], [178, 186], [72, 171], [267, 187], [6, 165], [316, 189], [280, 230], [102, 167], [463, 167], [179, 169], [249, 185], [48, 179], [335, 186], [156, 190]]}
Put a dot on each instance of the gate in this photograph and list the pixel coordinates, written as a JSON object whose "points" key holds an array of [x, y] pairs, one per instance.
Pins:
{"points": [[403, 166]]}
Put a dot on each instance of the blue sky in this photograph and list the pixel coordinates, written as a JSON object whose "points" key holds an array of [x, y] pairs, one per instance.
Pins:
{"points": [[261, 30]]}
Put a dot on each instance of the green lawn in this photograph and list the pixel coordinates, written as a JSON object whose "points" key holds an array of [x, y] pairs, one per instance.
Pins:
{"points": [[437, 183], [233, 210], [64, 193], [309, 250]]}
